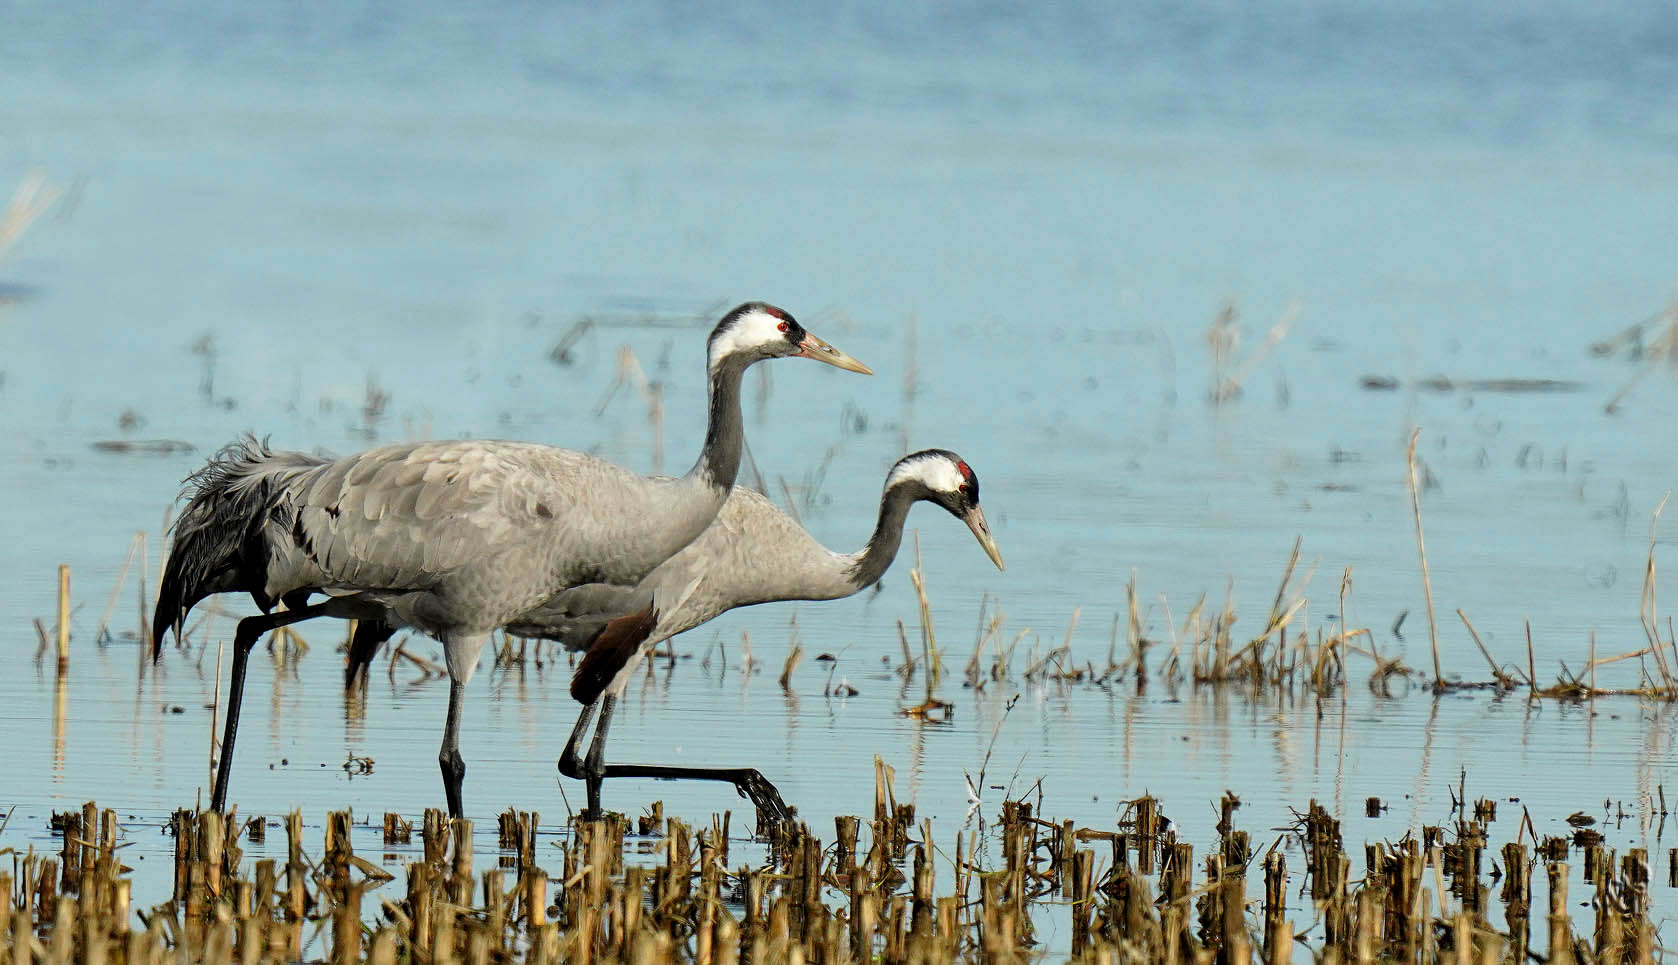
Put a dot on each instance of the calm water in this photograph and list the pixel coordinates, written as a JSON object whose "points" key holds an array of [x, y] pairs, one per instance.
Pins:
{"points": [[1026, 222]]}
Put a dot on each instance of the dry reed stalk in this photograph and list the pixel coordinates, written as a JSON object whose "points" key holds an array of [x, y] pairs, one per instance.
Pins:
{"points": [[1662, 348], [786, 494], [800, 908], [215, 714], [794, 655], [1224, 339], [929, 639], [1133, 632], [63, 618], [1646, 610], [116, 591], [987, 630], [1004, 658], [162, 558], [630, 373], [1593, 665], [907, 669], [1287, 575], [746, 655], [1628, 655], [1421, 548], [144, 598], [1331, 647], [428, 667], [31, 200], [655, 415], [1502, 679]]}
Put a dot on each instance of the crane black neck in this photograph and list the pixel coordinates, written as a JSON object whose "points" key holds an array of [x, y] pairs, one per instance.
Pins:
{"points": [[877, 556], [719, 461]]}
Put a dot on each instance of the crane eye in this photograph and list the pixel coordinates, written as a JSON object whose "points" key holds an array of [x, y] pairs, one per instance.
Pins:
{"points": [[784, 326]]}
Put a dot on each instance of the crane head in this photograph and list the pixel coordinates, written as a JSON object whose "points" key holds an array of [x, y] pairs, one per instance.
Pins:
{"points": [[945, 478], [758, 330]]}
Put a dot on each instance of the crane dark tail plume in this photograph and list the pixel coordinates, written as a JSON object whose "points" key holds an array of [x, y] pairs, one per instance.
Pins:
{"points": [[616, 644], [217, 538]]}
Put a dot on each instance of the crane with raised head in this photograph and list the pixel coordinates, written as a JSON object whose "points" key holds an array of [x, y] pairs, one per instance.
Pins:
{"points": [[453, 539], [752, 553]]}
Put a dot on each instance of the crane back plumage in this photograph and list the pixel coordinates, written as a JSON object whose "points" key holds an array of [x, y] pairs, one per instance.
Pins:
{"points": [[451, 538]]}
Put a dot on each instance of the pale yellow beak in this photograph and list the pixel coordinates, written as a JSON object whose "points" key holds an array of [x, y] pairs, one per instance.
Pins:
{"points": [[814, 348], [975, 520]]}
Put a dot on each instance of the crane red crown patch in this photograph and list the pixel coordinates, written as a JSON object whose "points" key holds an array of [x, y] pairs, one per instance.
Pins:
{"points": [[772, 310], [966, 473]]}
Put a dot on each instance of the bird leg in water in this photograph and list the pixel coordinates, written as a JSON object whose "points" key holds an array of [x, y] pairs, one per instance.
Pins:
{"points": [[749, 781], [570, 762], [590, 770], [249, 631], [594, 768], [448, 758], [617, 647]]}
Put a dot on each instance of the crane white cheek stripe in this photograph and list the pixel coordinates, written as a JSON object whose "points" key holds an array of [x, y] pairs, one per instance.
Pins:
{"points": [[752, 330], [936, 472]]}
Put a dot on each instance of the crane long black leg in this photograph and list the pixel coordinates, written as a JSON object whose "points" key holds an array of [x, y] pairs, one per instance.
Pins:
{"points": [[243, 640], [749, 781], [251, 630], [364, 645], [571, 762], [594, 768], [453, 765]]}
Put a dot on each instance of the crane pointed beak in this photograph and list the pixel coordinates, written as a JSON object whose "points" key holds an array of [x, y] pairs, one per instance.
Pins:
{"points": [[814, 348], [975, 520]]}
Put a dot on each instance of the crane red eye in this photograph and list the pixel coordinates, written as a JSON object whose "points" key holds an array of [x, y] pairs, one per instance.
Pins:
{"points": [[784, 326]]}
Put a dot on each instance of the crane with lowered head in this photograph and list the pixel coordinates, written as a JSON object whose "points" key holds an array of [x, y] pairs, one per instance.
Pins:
{"points": [[752, 553]]}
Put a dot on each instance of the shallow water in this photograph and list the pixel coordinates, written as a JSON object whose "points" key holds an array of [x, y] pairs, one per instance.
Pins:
{"points": [[1026, 223]]}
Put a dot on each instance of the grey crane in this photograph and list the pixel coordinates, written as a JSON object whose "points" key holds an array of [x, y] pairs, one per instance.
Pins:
{"points": [[453, 539], [752, 553]]}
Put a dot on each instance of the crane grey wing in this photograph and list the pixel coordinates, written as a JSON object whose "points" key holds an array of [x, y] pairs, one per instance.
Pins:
{"points": [[576, 616], [399, 517]]}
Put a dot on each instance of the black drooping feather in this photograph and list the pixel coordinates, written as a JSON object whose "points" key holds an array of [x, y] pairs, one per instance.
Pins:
{"points": [[364, 644], [617, 643], [218, 538]]}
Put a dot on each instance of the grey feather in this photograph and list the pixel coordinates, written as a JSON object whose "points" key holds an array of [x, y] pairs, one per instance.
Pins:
{"points": [[752, 553]]}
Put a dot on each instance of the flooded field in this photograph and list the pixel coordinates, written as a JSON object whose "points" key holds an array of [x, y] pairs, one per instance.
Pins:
{"points": [[1174, 340]]}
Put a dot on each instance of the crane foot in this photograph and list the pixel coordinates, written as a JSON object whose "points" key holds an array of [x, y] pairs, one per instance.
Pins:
{"points": [[771, 809]]}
